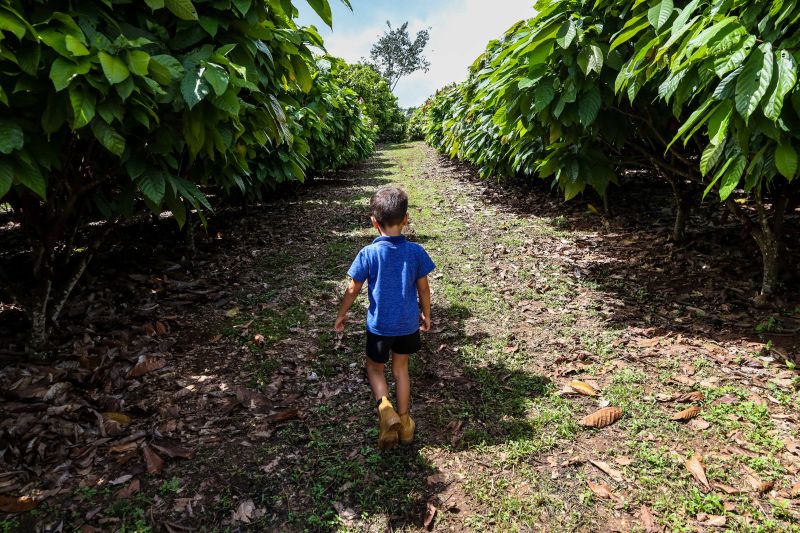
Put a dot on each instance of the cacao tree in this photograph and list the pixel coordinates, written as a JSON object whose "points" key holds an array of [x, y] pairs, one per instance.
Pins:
{"points": [[586, 92], [110, 108]]}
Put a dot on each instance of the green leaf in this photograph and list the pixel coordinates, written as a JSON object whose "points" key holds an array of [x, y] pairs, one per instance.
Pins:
{"points": [[11, 137], [627, 35], [12, 24], [786, 160], [752, 83], [589, 106], [108, 137], [242, 5], [83, 106], [710, 157], [787, 77], [75, 46], [113, 67], [154, 4], [718, 122], [165, 68], [727, 87], [591, 59], [210, 25], [183, 9], [572, 188], [217, 77], [29, 175], [695, 120], [731, 177], [194, 88], [62, 72], [152, 185], [566, 33], [6, 178], [138, 62], [659, 14], [301, 73], [595, 59], [228, 102], [323, 9], [194, 131], [734, 60]]}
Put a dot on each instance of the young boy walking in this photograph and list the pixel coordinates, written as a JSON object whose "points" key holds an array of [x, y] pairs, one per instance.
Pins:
{"points": [[397, 271]]}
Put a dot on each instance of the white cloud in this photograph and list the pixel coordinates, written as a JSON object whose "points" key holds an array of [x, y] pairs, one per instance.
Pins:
{"points": [[460, 31]]}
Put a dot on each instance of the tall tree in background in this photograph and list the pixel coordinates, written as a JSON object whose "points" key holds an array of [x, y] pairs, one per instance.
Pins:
{"points": [[395, 55]]}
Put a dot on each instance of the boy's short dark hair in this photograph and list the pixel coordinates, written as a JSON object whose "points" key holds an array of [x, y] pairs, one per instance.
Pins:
{"points": [[389, 206]]}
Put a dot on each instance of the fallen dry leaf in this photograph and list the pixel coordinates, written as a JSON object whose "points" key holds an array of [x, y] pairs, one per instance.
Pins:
{"points": [[230, 313], [648, 343], [727, 489], [244, 512], [602, 417], [616, 475], [145, 365], [430, 514], [648, 521], [795, 491], [161, 328], [601, 490], [715, 521], [765, 486], [686, 414], [282, 416], [583, 388], [695, 466], [153, 461], [129, 490], [173, 450], [510, 349], [694, 396], [120, 418], [698, 424], [10, 504]]}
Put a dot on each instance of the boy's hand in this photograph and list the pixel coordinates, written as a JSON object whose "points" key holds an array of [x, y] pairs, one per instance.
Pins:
{"points": [[426, 323], [340, 322]]}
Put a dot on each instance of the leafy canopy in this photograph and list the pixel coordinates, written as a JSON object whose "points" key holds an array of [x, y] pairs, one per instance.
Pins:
{"points": [[395, 55]]}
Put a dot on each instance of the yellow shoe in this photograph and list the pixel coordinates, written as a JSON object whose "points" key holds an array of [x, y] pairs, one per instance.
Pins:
{"points": [[389, 425], [407, 426]]}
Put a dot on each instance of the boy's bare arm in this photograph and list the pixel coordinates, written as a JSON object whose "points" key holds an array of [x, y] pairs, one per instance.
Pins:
{"points": [[350, 296], [424, 292]]}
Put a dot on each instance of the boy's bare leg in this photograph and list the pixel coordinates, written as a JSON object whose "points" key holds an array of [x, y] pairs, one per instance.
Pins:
{"points": [[401, 382], [377, 379]]}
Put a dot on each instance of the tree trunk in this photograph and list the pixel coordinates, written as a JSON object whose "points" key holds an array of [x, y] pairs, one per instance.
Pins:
{"points": [[769, 244], [768, 234], [38, 336], [191, 249], [682, 210]]}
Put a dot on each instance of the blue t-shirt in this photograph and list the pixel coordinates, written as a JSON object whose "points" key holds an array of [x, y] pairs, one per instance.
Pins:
{"points": [[392, 265]]}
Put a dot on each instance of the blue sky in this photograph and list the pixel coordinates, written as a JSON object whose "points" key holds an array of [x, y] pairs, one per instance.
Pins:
{"points": [[459, 30]]}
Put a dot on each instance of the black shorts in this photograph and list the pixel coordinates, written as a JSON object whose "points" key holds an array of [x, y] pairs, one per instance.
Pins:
{"points": [[380, 348]]}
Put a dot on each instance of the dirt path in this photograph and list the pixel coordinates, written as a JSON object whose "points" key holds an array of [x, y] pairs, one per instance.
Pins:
{"points": [[524, 301]]}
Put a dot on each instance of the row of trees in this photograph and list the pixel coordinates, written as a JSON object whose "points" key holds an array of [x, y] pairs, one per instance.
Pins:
{"points": [[700, 93], [110, 109]]}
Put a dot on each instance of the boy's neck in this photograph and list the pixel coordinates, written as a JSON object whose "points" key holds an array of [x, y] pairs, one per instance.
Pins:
{"points": [[391, 231]]}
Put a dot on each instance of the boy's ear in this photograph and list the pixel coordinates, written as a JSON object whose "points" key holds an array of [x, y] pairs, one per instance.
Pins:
{"points": [[405, 220], [375, 223]]}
